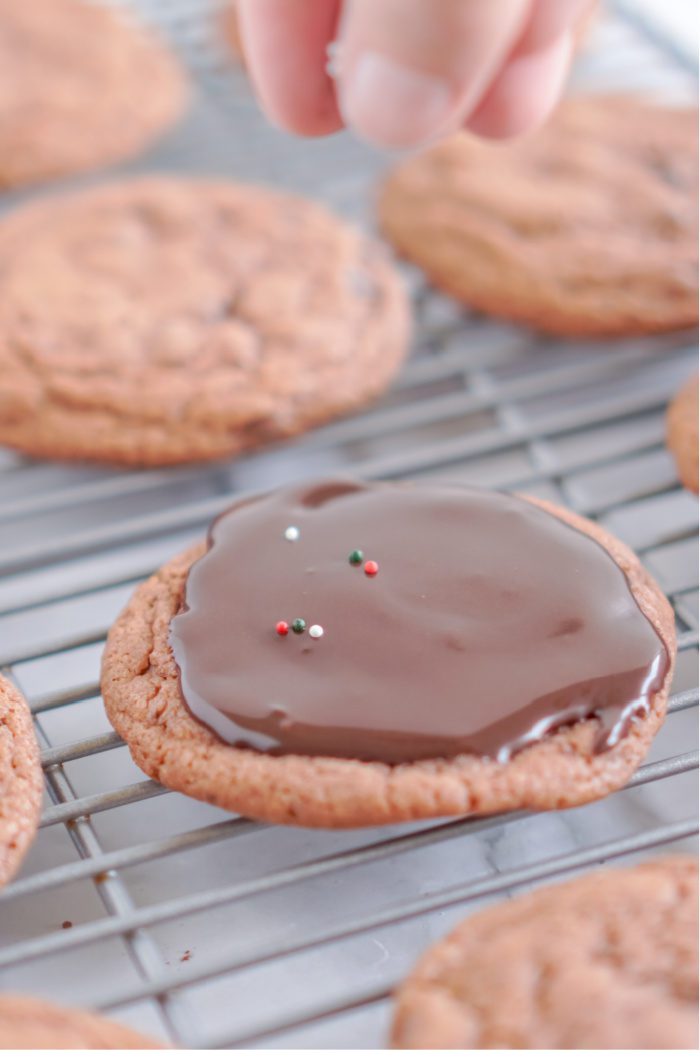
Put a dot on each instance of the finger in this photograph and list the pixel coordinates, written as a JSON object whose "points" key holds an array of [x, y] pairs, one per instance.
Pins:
{"points": [[285, 46], [525, 93], [533, 76], [548, 21], [413, 69]]}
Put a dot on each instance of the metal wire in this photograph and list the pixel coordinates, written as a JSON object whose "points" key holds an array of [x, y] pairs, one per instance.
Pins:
{"points": [[480, 401]]}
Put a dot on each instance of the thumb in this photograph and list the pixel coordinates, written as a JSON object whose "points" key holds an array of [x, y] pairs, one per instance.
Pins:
{"points": [[413, 69]]}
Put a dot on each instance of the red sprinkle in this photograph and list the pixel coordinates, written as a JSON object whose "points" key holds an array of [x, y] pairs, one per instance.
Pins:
{"points": [[282, 627], [371, 568]]}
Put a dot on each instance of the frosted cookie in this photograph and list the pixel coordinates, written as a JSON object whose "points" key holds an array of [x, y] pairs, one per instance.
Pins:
{"points": [[340, 654], [81, 87], [682, 433], [32, 1024], [163, 320], [587, 227], [609, 961], [21, 781]]}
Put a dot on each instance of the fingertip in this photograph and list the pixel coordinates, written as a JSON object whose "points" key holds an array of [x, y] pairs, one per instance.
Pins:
{"points": [[308, 121], [285, 46], [525, 92], [409, 73]]}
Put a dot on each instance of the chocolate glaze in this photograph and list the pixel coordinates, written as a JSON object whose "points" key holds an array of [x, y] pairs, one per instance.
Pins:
{"points": [[489, 624]]}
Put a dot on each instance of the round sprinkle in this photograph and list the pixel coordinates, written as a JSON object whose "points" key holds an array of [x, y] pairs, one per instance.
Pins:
{"points": [[282, 627], [298, 625], [316, 631], [371, 568], [355, 557], [291, 533]]}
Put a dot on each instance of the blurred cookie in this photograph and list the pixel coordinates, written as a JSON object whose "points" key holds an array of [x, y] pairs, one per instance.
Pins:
{"points": [[32, 1024], [587, 227], [21, 782], [161, 320], [342, 654], [682, 433], [609, 960], [232, 31], [80, 87]]}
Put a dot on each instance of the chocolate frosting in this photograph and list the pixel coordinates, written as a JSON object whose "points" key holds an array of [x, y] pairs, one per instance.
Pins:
{"points": [[488, 624]]}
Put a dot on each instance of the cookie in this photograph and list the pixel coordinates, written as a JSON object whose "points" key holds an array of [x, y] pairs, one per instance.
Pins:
{"points": [[164, 320], [32, 1024], [682, 433], [586, 228], [72, 84], [340, 655], [21, 781], [232, 31], [609, 960]]}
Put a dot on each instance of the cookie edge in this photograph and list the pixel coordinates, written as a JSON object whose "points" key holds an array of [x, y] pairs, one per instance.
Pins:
{"points": [[94, 1029], [420, 992], [139, 674], [20, 806], [682, 433]]}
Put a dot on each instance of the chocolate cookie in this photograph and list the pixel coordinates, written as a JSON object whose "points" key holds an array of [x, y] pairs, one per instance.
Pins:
{"points": [[609, 960], [81, 87], [585, 228], [682, 433], [21, 782], [31, 1024], [163, 320], [343, 655]]}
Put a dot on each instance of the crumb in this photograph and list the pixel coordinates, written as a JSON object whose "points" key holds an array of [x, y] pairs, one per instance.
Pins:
{"points": [[66, 924]]}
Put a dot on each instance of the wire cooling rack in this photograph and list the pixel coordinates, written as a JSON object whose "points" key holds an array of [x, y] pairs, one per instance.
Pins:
{"points": [[213, 931]]}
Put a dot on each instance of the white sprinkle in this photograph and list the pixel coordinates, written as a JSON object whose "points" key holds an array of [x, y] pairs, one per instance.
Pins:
{"points": [[333, 59], [316, 631], [292, 534]]}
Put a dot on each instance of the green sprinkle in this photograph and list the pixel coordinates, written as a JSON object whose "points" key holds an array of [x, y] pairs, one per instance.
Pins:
{"points": [[356, 557], [299, 626]]}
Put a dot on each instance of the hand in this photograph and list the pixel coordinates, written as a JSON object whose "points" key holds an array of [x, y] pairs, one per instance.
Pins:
{"points": [[409, 71]]}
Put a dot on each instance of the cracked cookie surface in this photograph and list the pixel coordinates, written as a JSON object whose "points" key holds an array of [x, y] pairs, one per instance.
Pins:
{"points": [[21, 782], [72, 96], [140, 686], [585, 228], [165, 320], [609, 960]]}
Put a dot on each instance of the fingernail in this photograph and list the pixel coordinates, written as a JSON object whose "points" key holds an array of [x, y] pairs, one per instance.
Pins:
{"points": [[392, 105]]}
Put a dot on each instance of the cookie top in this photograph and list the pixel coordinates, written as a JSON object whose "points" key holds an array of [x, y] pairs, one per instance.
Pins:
{"points": [[586, 228], [356, 724], [536, 617], [682, 432], [32, 1024], [72, 78], [21, 782], [608, 960], [162, 320]]}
